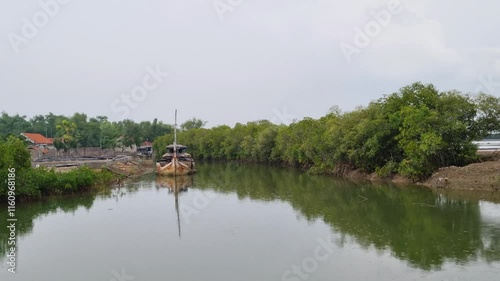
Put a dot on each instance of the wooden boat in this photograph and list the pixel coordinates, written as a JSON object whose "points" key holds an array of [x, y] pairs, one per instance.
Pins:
{"points": [[176, 161]]}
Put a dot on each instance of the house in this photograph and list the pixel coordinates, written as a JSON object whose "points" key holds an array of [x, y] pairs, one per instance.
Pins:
{"points": [[38, 144], [37, 139]]}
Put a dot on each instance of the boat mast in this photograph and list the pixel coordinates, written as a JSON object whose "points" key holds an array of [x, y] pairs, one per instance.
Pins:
{"points": [[175, 135], [175, 144]]}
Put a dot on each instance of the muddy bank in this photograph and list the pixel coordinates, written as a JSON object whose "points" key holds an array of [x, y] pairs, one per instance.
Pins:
{"points": [[133, 168], [125, 167], [358, 175], [466, 178], [484, 176], [478, 176]]}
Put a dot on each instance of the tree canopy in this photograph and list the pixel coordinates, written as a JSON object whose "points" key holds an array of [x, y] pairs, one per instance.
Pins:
{"points": [[412, 132], [81, 131]]}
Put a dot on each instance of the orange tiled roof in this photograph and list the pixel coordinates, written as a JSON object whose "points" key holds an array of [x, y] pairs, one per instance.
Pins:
{"points": [[147, 143], [37, 138]]}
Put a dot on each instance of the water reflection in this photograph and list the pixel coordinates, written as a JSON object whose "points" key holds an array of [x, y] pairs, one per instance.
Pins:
{"points": [[176, 185], [417, 225], [490, 220], [27, 214]]}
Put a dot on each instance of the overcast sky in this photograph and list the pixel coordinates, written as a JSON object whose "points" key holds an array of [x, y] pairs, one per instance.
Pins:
{"points": [[234, 61]]}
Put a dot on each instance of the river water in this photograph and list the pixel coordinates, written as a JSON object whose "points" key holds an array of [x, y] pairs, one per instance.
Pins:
{"points": [[243, 222]]}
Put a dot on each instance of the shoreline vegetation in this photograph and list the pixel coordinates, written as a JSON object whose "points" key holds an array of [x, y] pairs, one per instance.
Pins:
{"points": [[416, 135], [405, 136], [33, 183]]}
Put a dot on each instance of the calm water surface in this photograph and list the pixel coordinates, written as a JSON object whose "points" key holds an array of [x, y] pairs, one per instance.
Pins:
{"points": [[240, 222]]}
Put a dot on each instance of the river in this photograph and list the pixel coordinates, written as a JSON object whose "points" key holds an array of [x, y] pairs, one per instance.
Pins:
{"points": [[244, 222]]}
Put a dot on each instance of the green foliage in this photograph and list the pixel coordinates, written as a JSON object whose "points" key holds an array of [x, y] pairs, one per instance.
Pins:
{"points": [[32, 183], [161, 143], [433, 129], [14, 154], [131, 133], [488, 108], [387, 170], [60, 145], [12, 125], [70, 137], [412, 132], [79, 131], [193, 124], [36, 182]]}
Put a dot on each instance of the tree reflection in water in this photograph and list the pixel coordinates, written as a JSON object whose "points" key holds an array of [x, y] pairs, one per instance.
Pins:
{"points": [[424, 227]]}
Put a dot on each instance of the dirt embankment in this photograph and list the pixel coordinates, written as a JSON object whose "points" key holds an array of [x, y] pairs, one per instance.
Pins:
{"points": [[136, 167], [478, 176], [129, 166], [484, 176]]}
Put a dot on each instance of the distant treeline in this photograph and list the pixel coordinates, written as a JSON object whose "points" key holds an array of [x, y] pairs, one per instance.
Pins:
{"points": [[81, 131], [412, 132]]}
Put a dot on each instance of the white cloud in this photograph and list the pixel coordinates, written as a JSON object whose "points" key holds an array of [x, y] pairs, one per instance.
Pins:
{"points": [[266, 54], [409, 49]]}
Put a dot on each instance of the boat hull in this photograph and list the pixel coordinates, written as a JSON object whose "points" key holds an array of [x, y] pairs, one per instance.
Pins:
{"points": [[175, 168]]}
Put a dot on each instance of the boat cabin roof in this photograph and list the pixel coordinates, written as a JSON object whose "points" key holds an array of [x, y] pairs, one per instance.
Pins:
{"points": [[179, 146]]}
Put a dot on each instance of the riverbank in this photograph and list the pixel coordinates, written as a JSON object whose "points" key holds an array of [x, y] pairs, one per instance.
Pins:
{"points": [[133, 168], [481, 176], [478, 176], [124, 167]]}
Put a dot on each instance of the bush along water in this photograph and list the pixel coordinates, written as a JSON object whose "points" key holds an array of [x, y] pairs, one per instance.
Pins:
{"points": [[412, 132], [35, 182]]}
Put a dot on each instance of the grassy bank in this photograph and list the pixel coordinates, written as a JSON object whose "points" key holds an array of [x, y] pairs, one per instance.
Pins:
{"points": [[32, 183], [36, 182]]}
